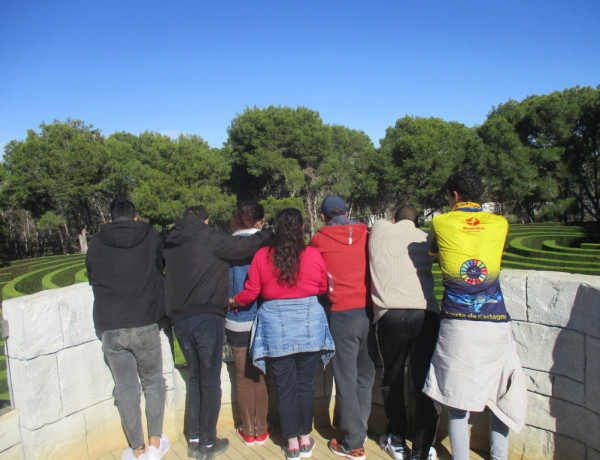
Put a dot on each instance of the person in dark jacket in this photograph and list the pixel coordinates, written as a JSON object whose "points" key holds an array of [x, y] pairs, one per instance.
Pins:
{"points": [[197, 283], [124, 266]]}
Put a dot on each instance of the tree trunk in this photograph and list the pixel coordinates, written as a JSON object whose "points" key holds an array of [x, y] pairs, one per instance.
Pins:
{"points": [[83, 244]]}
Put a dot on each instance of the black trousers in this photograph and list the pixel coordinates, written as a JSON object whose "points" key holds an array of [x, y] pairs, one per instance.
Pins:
{"points": [[408, 335], [295, 379]]}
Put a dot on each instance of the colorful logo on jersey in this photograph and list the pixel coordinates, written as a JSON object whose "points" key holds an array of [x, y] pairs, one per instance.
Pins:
{"points": [[473, 221], [473, 271]]}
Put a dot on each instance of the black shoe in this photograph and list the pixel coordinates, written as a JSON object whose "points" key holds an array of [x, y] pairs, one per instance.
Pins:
{"points": [[193, 449], [216, 448]]}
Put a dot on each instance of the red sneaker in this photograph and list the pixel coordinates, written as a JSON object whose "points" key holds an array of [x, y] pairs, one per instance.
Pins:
{"points": [[248, 440], [260, 440]]}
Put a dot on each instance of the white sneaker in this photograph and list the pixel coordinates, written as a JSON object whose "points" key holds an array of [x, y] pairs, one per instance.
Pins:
{"points": [[396, 452], [128, 455], [155, 453], [432, 454]]}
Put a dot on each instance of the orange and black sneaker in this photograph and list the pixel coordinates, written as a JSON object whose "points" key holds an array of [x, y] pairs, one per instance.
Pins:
{"points": [[341, 450]]}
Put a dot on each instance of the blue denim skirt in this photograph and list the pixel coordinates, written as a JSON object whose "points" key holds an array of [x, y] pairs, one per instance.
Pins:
{"points": [[288, 326]]}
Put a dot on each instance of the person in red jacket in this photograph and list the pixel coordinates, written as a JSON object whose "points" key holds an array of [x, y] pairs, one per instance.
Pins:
{"points": [[343, 245]]}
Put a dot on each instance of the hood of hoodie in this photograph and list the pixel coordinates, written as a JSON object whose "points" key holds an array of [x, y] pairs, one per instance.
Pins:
{"points": [[345, 234], [124, 234], [183, 231]]}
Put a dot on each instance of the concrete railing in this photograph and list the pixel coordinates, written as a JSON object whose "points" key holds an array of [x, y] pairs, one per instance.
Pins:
{"points": [[62, 390]]}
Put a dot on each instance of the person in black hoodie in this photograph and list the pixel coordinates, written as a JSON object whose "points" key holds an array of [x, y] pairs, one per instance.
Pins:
{"points": [[197, 296], [124, 266]]}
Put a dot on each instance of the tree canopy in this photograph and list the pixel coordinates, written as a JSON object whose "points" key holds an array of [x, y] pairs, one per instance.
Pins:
{"points": [[538, 157]]}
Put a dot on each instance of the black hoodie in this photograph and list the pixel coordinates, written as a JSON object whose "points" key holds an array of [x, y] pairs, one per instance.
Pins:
{"points": [[197, 259], [124, 266]]}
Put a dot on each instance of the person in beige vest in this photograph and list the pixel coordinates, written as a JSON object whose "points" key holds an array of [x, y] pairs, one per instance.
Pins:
{"points": [[406, 317]]}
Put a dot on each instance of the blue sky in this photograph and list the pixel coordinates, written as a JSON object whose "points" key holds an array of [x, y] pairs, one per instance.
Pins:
{"points": [[192, 66]]}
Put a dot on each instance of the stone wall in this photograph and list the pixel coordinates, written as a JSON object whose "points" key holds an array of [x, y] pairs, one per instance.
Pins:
{"points": [[61, 388], [63, 406], [556, 324]]}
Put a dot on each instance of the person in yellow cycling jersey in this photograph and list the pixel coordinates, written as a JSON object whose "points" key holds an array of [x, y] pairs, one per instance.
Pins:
{"points": [[475, 363]]}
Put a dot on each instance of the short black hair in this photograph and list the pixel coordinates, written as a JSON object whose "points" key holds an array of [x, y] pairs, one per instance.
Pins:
{"points": [[121, 208], [467, 184], [406, 212], [196, 212]]}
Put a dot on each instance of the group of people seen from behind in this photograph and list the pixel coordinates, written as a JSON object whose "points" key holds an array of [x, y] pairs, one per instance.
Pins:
{"points": [[353, 296]]}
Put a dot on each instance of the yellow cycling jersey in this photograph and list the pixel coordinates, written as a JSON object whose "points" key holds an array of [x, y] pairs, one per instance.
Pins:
{"points": [[469, 243]]}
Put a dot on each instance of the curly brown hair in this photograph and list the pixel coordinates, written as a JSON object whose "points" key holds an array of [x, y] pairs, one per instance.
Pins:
{"points": [[246, 215], [288, 244]]}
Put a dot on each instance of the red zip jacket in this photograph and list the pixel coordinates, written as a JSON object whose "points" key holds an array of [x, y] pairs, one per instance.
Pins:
{"points": [[345, 251]]}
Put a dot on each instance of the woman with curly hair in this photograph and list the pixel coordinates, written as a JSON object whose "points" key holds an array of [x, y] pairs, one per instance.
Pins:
{"points": [[253, 400], [291, 330]]}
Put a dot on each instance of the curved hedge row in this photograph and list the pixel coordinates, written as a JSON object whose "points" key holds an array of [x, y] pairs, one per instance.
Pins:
{"points": [[31, 281], [558, 248], [63, 276]]}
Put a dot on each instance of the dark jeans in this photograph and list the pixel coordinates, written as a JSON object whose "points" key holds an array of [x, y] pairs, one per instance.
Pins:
{"points": [[295, 378], [129, 353], [411, 335], [201, 340], [354, 372]]}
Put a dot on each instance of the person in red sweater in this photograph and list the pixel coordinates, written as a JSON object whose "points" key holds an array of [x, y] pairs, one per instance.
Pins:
{"points": [[290, 330], [343, 245]]}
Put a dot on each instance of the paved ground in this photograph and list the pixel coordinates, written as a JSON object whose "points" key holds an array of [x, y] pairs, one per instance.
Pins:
{"points": [[272, 450]]}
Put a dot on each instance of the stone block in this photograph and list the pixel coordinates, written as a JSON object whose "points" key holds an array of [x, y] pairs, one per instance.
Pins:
{"points": [[569, 420], [10, 433], [64, 439], [585, 315], [575, 422], [85, 379], [569, 390], [27, 317], [36, 390], [538, 412], [76, 307], [167, 354], [592, 376], [550, 297], [13, 453], [562, 352], [172, 426], [514, 290], [179, 389], [538, 381], [593, 454], [103, 427], [226, 387], [536, 444]]}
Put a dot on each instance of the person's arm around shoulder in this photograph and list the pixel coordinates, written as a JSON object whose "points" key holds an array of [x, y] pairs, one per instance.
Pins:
{"points": [[231, 247]]}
